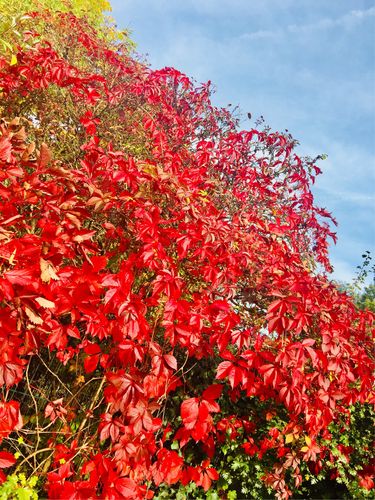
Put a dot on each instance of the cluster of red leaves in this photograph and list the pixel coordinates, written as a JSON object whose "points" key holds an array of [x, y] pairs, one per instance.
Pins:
{"points": [[211, 231]]}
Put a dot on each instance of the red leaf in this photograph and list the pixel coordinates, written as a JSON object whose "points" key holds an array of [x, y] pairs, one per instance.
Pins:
{"points": [[223, 369], [19, 276], [211, 405], [212, 473], [235, 374], [171, 361], [168, 468], [212, 392], [6, 460], [10, 373], [205, 482], [271, 374], [10, 418], [190, 412], [92, 349], [90, 363], [5, 149], [126, 487]]}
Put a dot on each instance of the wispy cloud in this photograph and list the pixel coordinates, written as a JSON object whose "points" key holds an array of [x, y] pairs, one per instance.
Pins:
{"points": [[259, 34], [347, 21], [350, 196]]}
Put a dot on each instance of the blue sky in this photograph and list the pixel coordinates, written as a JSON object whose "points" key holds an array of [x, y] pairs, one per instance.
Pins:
{"points": [[306, 66]]}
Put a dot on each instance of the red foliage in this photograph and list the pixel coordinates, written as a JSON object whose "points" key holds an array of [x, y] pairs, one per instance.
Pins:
{"points": [[203, 247]]}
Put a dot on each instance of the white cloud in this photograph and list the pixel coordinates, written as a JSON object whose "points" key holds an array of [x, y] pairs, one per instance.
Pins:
{"points": [[350, 196], [260, 34], [352, 164], [346, 21]]}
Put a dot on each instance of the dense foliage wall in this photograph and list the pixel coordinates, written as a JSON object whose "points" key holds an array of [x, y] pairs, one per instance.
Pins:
{"points": [[168, 326]]}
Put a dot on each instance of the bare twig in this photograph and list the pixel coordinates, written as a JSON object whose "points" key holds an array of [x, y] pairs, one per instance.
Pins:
{"points": [[32, 455], [92, 406], [54, 374], [36, 412]]}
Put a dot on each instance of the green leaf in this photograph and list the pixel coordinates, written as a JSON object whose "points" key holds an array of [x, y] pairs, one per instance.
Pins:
{"points": [[175, 445]]}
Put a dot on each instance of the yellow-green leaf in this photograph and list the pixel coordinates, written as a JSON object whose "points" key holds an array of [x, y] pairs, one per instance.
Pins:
{"points": [[289, 438]]}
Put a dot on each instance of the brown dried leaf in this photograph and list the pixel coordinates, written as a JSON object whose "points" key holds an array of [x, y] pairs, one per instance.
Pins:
{"points": [[47, 271], [33, 317], [45, 155], [45, 302]]}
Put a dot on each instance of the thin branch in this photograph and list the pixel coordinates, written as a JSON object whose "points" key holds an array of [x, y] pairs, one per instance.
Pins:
{"points": [[54, 374], [26, 459], [89, 411], [36, 411]]}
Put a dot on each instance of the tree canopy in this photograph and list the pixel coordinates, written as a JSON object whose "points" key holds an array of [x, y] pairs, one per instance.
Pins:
{"points": [[93, 10], [168, 322]]}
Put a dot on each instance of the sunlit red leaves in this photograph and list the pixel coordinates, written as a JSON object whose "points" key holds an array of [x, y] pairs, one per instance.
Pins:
{"points": [[89, 122], [202, 475], [6, 460], [193, 245], [93, 352], [122, 390], [366, 476], [190, 412], [10, 418], [366, 481], [167, 468], [80, 490], [110, 427], [271, 374], [196, 412], [311, 449], [236, 374], [163, 364], [125, 487], [10, 372], [55, 409], [140, 417], [277, 314], [21, 277], [5, 149], [250, 447], [212, 393]]}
